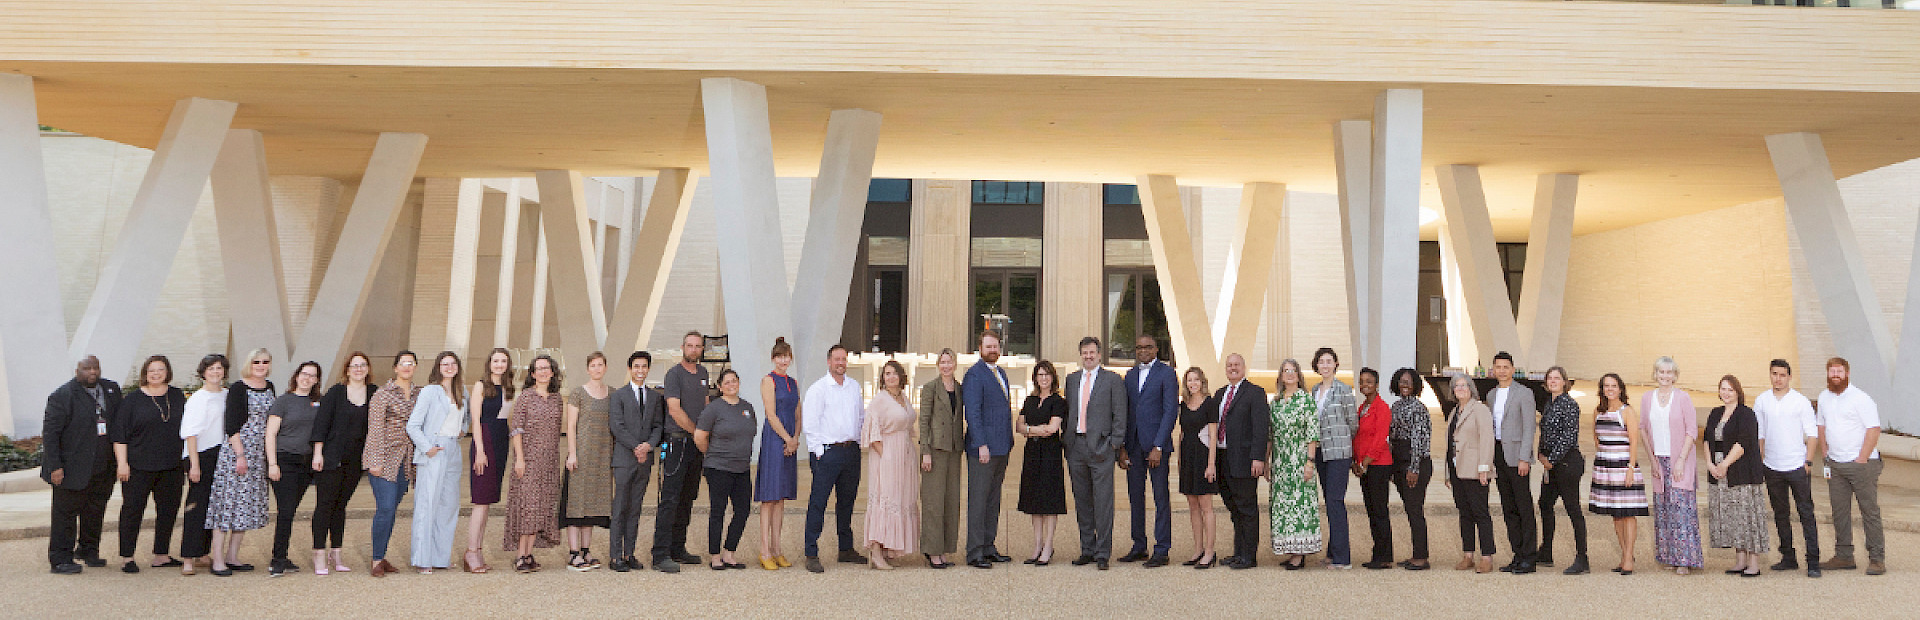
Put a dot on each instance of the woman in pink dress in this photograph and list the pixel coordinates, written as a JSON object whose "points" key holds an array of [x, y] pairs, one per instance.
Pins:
{"points": [[893, 471]]}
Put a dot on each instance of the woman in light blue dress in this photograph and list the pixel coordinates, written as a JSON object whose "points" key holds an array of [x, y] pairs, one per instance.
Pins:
{"points": [[439, 418]]}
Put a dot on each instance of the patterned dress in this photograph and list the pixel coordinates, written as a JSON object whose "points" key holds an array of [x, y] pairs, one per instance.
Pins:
{"points": [[588, 489], [533, 501], [1293, 505], [239, 501], [1618, 488]]}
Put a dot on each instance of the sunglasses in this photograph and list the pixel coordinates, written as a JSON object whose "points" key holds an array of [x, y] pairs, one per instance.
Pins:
{"points": [[262, 362]]}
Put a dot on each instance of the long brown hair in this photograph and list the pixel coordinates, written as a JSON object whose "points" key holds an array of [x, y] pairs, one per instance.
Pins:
{"points": [[1192, 370], [1602, 389], [489, 389], [455, 390], [1046, 367]]}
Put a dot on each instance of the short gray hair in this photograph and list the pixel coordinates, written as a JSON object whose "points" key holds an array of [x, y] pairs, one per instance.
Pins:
{"points": [[1473, 389]]}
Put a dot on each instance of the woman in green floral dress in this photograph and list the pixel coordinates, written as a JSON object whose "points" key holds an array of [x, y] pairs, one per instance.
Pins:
{"points": [[1294, 507]]}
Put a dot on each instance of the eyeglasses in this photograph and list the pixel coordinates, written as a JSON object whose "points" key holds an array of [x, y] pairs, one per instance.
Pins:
{"points": [[1143, 347], [262, 362]]}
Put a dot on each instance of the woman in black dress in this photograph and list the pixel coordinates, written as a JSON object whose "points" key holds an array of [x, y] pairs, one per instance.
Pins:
{"points": [[1197, 417], [1043, 487]]}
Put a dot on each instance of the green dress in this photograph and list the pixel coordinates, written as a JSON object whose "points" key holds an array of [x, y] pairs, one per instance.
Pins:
{"points": [[1293, 506]]}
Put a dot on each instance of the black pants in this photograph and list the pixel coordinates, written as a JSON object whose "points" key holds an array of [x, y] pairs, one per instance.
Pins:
{"points": [[332, 489], [78, 516], [1470, 497], [1375, 487], [724, 487], [1781, 484], [837, 471], [296, 473], [680, 467], [1516, 505], [1563, 483], [195, 539], [164, 488], [1242, 497], [1414, 496]]}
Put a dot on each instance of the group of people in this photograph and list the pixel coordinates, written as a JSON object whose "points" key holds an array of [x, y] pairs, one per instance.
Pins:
{"points": [[569, 461]]}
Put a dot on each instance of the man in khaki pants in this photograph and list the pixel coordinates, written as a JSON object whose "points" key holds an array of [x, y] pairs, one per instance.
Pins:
{"points": [[1849, 423]]}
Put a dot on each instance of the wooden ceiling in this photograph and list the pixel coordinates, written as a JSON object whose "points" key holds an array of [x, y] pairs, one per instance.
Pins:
{"points": [[1668, 124]]}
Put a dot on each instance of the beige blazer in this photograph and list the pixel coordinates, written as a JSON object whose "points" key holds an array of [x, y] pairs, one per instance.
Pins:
{"points": [[1470, 432]]}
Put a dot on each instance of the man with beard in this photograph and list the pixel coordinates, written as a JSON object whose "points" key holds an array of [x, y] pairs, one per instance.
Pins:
{"points": [[680, 462], [77, 459], [989, 439], [1849, 426], [835, 408]]}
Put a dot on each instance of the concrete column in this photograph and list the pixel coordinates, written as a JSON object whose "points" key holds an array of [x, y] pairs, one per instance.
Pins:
{"points": [[303, 213], [1072, 250], [1174, 266], [1901, 411], [487, 269], [513, 222], [250, 250], [753, 272], [656, 246], [1818, 214], [33, 330], [538, 300], [1544, 286], [838, 208], [573, 266], [939, 311], [136, 270], [363, 243], [1353, 165], [1280, 294], [1483, 279], [1462, 351], [1394, 239], [445, 268], [1243, 286]]}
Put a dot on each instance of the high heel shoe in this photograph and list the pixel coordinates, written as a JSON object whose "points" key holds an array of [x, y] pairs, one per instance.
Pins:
{"points": [[525, 565], [1043, 561], [1206, 564], [768, 563], [320, 563], [1195, 560], [782, 561], [478, 567], [930, 563], [338, 565]]}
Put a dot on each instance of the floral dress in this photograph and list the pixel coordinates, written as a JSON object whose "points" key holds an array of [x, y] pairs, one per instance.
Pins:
{"points": [[1293, 506], [238, 502]]}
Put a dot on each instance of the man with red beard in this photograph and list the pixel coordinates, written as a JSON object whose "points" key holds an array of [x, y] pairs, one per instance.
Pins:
{"points": [[1849, 425]]}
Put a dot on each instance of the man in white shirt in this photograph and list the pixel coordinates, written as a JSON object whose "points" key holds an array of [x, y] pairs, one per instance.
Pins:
{"points": [[1788, 435], [1849, 425], [834, 406], [1514, 427]]}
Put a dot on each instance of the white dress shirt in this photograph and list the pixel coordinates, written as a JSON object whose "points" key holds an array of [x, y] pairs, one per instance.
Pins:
{"points": [[1786, 422], [1847, 416], [835, 410], [1145, 369], [205, 418]]}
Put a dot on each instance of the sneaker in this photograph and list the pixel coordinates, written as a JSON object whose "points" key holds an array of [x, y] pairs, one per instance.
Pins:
{"points": [[66, 568]]}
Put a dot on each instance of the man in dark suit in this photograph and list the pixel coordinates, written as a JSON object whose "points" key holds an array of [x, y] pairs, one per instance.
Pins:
{"points": [[1241, 439], [1155, 405], [78, 461], [636, 418], [1095, 433]]}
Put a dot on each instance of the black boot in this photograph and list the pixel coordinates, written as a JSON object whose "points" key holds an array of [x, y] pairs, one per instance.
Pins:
{"points": [[1579, 566]]}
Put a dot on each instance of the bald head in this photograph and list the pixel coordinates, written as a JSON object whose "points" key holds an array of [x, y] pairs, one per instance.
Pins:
{"points": [[87, 372]]}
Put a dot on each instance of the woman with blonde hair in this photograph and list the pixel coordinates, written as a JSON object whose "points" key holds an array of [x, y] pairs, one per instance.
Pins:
{"points": [[1198, 475], [1294, 509], [1671, 428], [238, 501], [943, 441]]}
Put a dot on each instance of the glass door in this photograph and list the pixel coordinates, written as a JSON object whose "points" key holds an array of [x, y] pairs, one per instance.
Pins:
{"points": [[1008, 300], [1134, 308]]}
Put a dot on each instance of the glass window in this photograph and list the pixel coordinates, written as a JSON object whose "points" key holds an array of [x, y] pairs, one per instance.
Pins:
{"points": [[1117, 194], [890, 190], [1009, 192]]}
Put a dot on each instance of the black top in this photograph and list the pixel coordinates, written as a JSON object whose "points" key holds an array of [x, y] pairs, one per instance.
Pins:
{"points": [[237, 404], [1743, 429], [1560, 429], [1037, 411], [150, 428], [342, 425], [71, 433]]}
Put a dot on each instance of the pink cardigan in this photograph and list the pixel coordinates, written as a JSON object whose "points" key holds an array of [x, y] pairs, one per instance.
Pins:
{"points": [[1683, 424]]}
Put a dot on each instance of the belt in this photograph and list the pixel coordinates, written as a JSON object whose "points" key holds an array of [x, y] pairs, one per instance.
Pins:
{"points": [[844, 444]]}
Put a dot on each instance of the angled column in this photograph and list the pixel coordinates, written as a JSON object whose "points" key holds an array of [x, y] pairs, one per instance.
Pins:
{"points": [[1462, 351], [573, 267], [1280, 294], [1243, 288], [1353, 165], [1818, 214], [33, 332], [539, 302], [249, 249], [363, 243], [753, 273], [834, 217], [1483, 280], [655, 247], [1543, 289], [487, 268], [1394, 239], [513, 223], [1072, 250], [1903, 413], [1174, 266], [939, 311], [136, 270], [444, 264]]}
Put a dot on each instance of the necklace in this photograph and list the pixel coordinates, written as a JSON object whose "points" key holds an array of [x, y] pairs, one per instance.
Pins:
{"points": [[165, 407]]}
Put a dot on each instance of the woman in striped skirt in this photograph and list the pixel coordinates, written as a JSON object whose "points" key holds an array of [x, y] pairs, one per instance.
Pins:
{"points": [[1618, 490]]}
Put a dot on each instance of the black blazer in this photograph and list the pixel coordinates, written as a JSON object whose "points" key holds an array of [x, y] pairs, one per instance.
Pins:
{"points": [[633, 423], [68, 433], [340, 424], [1249, 428]]}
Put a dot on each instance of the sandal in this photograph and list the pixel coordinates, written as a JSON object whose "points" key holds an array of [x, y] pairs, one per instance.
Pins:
{"points": [[477, 568], [170, 563], [525, 565]]}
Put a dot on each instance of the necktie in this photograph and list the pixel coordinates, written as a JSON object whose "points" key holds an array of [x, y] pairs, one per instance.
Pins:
{"points": [[1225, 406], [1086, 388]]}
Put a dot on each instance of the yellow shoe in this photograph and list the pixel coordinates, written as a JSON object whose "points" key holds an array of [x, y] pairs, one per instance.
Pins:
{"points": [[782, 561], [769, 564]]}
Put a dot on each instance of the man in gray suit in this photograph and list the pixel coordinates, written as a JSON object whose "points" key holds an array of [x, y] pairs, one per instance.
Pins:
{"points": [[1095, 432], [1514, 425], [636, 417]]}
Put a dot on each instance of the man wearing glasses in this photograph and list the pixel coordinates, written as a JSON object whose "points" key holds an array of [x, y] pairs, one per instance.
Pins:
{"points": [[1155, 400]]}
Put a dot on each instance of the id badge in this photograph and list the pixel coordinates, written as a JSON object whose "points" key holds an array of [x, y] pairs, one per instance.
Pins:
{"points": [[100, 427]]}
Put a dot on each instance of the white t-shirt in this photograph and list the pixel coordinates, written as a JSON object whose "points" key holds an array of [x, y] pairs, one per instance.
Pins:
{"points": [[1847, 416], [1785, 424], [205, 418], [1499, 409], [1657, 426]]}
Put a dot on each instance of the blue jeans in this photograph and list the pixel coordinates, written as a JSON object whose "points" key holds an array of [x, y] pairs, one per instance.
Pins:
{"points": [[386, 499], [1333, 487], [837, 471]]}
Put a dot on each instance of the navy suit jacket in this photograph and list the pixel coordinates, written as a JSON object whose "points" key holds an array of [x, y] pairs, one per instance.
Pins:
{"points": [[989, 415], [1155, 407]]}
